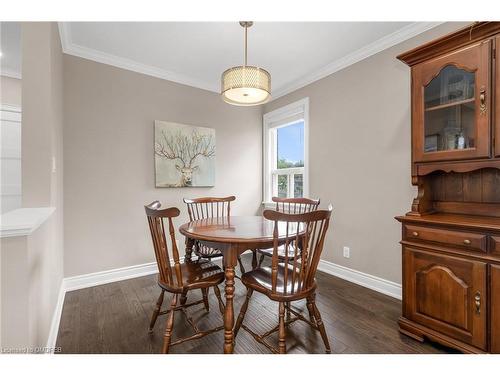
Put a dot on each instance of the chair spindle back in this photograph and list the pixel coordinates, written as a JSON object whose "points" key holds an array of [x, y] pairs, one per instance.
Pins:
{"points": [[160, 221], [208, 207], [306, 231], [296, 205]]}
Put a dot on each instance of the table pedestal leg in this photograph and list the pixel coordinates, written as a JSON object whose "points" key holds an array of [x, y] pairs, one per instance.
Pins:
{"points": [[229, 311], [230, 259], [189, 249]]}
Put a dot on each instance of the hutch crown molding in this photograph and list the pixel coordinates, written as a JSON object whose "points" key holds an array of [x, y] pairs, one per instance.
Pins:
{"points": [[451, 236]]}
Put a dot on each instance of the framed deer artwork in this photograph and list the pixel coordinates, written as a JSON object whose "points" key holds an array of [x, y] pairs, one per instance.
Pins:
{"points": [[184, 155]]}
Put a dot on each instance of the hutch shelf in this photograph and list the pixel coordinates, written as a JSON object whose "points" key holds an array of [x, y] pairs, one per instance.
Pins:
{"points": [[451, 236]]}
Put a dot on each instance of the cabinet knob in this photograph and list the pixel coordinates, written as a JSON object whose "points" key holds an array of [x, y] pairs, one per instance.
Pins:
{"points": [[482, 100], [477, 302], [415, 234], [467, 242]]}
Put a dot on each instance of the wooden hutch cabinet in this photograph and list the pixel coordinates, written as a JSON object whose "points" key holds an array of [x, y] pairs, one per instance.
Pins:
{"points": [[451, 236]]}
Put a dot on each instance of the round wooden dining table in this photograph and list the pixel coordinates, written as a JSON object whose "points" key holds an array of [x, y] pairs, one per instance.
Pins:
{"points": [[232, 235]]}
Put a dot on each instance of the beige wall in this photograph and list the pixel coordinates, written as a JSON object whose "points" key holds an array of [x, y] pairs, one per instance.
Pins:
{"points": [[30, 279], [42, 115], [10, 91], [109, 165], [45, 262], [41, 268], [14, 292], [42, 136], [360, 155]]}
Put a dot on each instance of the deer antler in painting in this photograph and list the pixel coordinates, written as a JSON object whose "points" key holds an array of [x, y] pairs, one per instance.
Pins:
{"points": [[186, 149], [200, 145]]}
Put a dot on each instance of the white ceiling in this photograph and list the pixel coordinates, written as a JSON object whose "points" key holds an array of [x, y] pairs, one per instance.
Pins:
{"points": [[196, 53], [10, 45]]}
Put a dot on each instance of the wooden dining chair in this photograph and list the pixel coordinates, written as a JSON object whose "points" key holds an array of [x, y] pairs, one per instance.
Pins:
{"points": [[291, 206], [177, 278], [207, 208], [292, 278]]}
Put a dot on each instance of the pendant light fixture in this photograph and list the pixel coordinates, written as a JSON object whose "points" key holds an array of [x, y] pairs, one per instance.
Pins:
{"points": [[246, 85]]}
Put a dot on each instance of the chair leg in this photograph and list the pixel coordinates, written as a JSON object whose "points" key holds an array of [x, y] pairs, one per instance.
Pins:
{"points": [[156, 311], [310, 308], [170, 323], [254, 259], [321, 327], [282, 343], [242, 269], [262, 256], [243, 311], [204, 292], [183, 298], [219, 298], [288, 313]]}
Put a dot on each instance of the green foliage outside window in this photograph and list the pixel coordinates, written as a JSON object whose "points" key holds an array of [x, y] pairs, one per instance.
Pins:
{"points": [[283, 163]]}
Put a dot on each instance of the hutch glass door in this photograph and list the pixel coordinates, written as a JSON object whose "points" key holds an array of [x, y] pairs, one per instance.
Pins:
{"points": [[452, 121], [450, 111]]}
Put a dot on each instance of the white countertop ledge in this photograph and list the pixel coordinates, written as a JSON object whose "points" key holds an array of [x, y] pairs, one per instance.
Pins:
{"points": [[23, 221]]}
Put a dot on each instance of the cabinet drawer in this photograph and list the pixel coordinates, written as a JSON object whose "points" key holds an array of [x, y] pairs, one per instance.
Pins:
{"points": [[495, 245], [472, 241]]}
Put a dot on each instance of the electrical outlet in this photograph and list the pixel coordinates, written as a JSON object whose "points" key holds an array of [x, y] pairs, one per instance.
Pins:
{"points": [[347, 252]]}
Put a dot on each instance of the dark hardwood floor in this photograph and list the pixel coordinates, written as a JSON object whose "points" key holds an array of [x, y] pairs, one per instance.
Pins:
{"points": [[114, 318]]}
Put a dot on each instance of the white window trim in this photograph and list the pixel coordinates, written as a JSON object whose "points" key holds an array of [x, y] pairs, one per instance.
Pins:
{"points": [[12, 153], [275, 119]]}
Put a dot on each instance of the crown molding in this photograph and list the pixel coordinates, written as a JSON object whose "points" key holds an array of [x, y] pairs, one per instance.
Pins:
{"points": [[405, 33], [74, 49], [64, 35], [371, 49]]}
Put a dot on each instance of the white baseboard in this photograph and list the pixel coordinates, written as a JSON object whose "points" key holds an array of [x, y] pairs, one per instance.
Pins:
{"points": [[56, 318], [378, 284], [109, 276], [69, 284]]}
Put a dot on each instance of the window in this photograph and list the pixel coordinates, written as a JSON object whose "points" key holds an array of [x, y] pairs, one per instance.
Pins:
{"points": [[285, 151]]}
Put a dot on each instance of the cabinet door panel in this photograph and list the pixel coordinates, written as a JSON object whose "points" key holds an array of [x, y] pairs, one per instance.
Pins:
{"points": [[442, 296], [497, 97], [451, 105], [495, 309], [447, 294]]}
